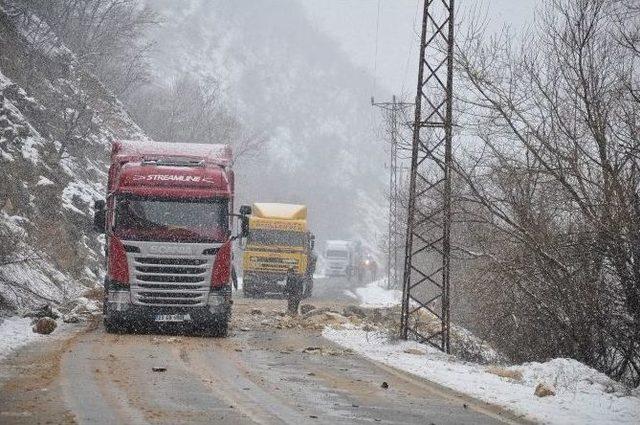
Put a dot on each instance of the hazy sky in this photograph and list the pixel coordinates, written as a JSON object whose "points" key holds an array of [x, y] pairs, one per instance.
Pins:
{"points": [[355, 25]]}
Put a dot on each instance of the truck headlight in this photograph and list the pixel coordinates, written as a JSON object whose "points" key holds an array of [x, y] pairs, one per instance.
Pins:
{"points": [[215, 300], [121, 299]]}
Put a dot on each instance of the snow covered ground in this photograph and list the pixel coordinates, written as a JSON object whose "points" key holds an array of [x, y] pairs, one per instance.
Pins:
{"points": [[376, 295], [14, 333], [583, 395]]}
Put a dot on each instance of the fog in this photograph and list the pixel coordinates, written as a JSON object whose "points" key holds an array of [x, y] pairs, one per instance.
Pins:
{"points": [[291, 83], [298, 76]]}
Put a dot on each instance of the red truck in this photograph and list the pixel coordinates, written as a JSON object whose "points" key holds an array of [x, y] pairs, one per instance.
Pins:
{"points": [[168, 217]]}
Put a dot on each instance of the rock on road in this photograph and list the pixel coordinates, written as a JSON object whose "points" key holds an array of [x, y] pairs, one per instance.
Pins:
{"points": [[258, 375]]}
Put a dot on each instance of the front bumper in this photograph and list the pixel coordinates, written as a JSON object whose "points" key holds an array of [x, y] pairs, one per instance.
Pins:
{"points": [[118, 306], [265, 282]]}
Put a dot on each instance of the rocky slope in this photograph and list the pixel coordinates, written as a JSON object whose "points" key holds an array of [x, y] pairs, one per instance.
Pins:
{"points": [[56, 124]]}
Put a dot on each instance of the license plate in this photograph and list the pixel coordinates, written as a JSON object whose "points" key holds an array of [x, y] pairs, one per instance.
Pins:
{"points": [[173, 317]]}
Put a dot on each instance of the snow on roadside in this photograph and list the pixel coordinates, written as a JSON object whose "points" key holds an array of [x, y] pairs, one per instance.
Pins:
{"points": [[14, 333], [376, 295], [583, 395]]}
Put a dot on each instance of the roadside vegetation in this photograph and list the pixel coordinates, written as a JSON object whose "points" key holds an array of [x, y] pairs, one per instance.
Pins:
{"points": [[548, 207]]}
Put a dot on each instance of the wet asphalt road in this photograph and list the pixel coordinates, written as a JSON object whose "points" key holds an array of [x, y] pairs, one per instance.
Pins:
{"points": [[261, 375]]}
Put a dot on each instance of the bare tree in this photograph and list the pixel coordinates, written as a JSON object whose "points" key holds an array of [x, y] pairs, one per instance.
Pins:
{"points": [[552, 184], [77, 120], [192, 111], [107, 36]]}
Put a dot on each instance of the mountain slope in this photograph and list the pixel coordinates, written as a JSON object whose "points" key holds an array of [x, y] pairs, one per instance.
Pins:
{"points": [[56, 123], [286, 79]]}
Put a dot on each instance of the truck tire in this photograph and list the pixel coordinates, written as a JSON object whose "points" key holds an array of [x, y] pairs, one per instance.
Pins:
{"points": [[112, 326], [222, 329], [248, 289], [216, 329], [308, 289], [247, 292]]}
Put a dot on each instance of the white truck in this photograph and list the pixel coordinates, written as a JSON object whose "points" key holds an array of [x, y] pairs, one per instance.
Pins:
{"points": [[343, 258]]}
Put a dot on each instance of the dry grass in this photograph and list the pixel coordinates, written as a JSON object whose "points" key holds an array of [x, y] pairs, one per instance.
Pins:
{"points": [[502, 372]]}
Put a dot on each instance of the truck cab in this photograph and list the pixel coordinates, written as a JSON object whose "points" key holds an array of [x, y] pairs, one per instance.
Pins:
{"points": [[338, 258], [167, 220], [278, 242]]}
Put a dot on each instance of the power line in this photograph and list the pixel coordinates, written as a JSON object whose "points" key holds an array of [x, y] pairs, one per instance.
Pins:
{"points": [[406, 65], [375, 56], [394, 111]]}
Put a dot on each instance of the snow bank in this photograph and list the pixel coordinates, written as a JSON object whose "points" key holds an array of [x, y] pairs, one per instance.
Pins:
{"points": [[583, 395], [14, 333], [375, 295]]}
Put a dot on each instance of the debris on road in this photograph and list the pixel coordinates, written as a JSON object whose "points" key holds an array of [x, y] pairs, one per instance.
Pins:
{"points": [[544, 390], [159, 369], [44, 326], [306, 308], [44, 310], [315, 312], [71, 318], [354, 310], [327, 318], [384, 385], [415, 351], [312, 350], [503, 372], [326, 351]]}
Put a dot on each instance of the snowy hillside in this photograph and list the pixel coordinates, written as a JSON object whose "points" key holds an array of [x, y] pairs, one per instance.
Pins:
{"points": [[56, 123]]}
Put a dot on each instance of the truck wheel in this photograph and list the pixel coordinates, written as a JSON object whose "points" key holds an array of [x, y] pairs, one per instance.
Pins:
{"points": [[309, 289], [247, 288], [112, 326], [247, 293], [217, 329], [222, 329]]}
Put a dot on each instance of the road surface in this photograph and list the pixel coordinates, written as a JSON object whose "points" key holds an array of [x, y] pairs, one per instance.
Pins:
{"points": [[258, 375]]}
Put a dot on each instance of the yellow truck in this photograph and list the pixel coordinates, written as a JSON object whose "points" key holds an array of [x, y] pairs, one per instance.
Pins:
{"points": [[278, 240]]}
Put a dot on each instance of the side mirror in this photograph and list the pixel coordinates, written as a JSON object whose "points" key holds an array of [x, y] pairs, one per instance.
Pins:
{"points": [[244, 223], [100, 216], [244, 226], [245, 210]]}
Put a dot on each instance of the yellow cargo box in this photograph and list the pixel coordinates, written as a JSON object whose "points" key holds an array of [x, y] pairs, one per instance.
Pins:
{"points": [[274, 216], [279, 211]]}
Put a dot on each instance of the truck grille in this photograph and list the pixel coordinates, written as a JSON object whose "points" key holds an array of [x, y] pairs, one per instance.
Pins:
{"points": [[170, 280], [275, 264]]}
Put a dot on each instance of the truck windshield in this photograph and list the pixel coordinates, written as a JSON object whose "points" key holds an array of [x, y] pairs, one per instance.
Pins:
{"points": [[171, 220], [334, 253], [276, 237]]}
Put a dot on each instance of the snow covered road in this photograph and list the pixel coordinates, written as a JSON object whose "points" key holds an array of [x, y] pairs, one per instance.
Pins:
{"points": [[583, 395], [260, 374], [14, 333]]}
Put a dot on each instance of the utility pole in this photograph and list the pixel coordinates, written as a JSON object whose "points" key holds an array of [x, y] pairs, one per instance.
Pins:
{"points": [[426, 278], [393, 109]]}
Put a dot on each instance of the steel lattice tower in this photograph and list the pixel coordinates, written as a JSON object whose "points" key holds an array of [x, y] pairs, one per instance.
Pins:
{"points": [[426, 286], [393, 109]]}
